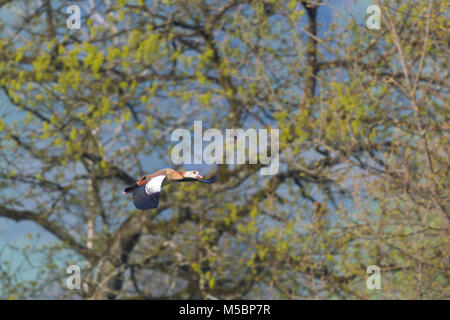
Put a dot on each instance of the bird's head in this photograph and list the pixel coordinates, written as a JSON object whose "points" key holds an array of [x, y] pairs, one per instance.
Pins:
{"points": [[192, 174]]}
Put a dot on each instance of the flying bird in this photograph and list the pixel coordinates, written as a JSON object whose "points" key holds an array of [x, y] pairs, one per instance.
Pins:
{"points": [[147, 189]]}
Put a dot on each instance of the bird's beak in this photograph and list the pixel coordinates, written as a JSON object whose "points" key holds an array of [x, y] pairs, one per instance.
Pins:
{"points": [[199, 177]]}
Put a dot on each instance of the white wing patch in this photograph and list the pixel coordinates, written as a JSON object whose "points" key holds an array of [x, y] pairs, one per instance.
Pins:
{"points": [[154, 185]]}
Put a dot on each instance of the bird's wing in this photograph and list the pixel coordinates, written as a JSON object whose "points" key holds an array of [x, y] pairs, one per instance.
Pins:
{"points": [[142, 200], [211, 180], [154, 184], [147, 197]]}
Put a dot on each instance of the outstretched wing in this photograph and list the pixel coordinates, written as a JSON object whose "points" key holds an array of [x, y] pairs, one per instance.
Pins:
{"points": [[142, 200], [147, 197], [211, 180]]}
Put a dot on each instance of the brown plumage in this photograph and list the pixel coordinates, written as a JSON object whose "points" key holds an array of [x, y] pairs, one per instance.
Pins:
{"points": [[171, 175]]}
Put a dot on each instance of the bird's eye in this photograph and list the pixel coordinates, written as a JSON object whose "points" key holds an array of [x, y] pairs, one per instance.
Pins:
{"points": [[143, 178], [195, 172]]}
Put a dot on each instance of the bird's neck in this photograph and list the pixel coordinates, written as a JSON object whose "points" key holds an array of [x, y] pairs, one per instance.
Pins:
{"points": [[174, 175]]}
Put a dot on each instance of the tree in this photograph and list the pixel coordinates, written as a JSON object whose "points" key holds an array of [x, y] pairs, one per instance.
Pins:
{"points": [[363, 118]]}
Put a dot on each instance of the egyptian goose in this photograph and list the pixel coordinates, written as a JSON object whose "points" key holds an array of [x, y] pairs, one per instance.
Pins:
{"points": [[147, 189]]}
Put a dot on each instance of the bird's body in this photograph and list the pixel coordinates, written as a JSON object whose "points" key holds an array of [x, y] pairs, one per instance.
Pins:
{"points": [[146, 190]]}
